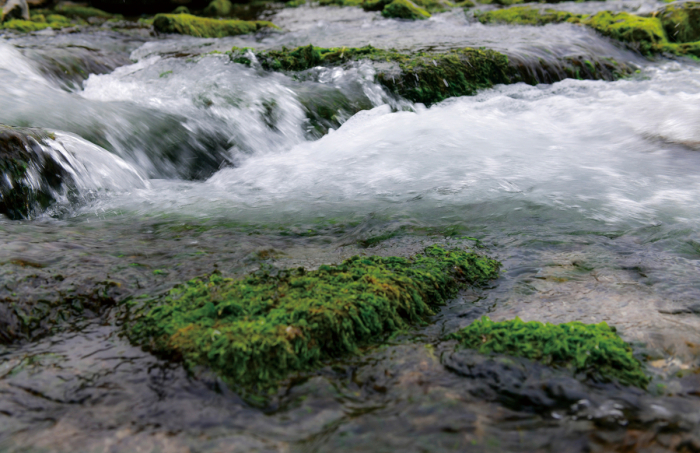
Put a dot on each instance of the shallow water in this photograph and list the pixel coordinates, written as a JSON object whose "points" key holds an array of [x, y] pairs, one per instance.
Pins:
{"points": [[587, 191]]}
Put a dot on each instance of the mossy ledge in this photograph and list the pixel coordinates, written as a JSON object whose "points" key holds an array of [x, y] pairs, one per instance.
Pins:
{"points": [[431, 77], [674, 29], [203, 27], [256, 330], [591, 349]]}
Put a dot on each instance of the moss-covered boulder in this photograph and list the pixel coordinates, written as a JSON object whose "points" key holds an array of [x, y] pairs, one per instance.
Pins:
{"points": [[30, 176], [256, 330], [645, 33], [404, 9], [594, 350], [202, 27], [83, 12], [526, 15], [681, 22]]}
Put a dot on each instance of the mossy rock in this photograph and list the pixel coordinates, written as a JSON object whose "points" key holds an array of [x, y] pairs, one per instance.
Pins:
{"points": [[84, 12], [202, 27], [645, 33], [259, 329], [681, 22], [182, 9], [594, 350], [30, 177], [526, 15], [425, 77], [219, 8], [405, 9], [24, 26]]}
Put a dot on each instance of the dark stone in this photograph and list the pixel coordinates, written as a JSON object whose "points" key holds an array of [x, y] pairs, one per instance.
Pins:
{"points": [[30, 177]]}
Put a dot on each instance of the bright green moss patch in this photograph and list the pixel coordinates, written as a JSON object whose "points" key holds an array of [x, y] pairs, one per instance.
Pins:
{"points": [[256, 330], [645, 33], [404, 9], [526, 15], [681, 22], [24, 26], [593, 349], [202, 27]]}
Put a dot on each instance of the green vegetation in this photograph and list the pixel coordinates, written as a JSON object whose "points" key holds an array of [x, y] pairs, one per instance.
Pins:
{"points": [[525, 15], [24, 26], [84, 12], [681, 22], [182, 9], [421, 77], [644, 33], [202, 27], [592, 349], [256, 330], [404, 9], [674, 29]]}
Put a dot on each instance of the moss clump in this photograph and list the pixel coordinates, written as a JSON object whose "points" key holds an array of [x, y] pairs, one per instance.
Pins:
{"points": [[84, 12], [405, 9], [593, 349], [202, 27], [182, 9], [645, 33], [681, 22], [24, 26], [257, 330], [526, 15], [219, 8]]}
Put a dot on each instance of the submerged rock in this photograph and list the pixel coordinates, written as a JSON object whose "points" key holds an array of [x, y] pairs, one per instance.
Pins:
{"points": [[31, 176], [202, 27], [594, 350], [257, 330], [38, 168]]}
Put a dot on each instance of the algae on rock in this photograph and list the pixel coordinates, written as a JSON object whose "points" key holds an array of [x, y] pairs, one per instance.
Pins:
{"points": [[259, 329], [592, 349], [202, 27], [404, 9], [681, 22]]}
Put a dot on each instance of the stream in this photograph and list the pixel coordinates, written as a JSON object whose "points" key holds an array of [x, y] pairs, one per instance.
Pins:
{"points": [[588, 192]]}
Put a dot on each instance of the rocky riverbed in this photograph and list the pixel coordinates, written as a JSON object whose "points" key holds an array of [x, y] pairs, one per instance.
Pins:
{"points": [[276, 227]]}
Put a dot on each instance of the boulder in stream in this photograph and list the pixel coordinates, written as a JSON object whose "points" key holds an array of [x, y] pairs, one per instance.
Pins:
{"points": [[202, 27]]}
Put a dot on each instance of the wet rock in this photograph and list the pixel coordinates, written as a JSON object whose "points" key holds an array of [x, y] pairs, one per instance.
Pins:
{"points": [[32, 177], [405, 9], [202, 27], [431, 77]]}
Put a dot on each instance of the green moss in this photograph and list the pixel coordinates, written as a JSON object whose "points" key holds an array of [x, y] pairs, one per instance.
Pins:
{"points": [[83, 12], [681, 22], [645, 33], [24, 26], [525, 15], [593, 349], [256, 330], [58, 19], [219, 8], [424, 76], [202, 27], [405, 9], [182, 9]]}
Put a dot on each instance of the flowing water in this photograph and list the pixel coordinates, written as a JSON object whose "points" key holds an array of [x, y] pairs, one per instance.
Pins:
{"points": [[587, 191]]}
